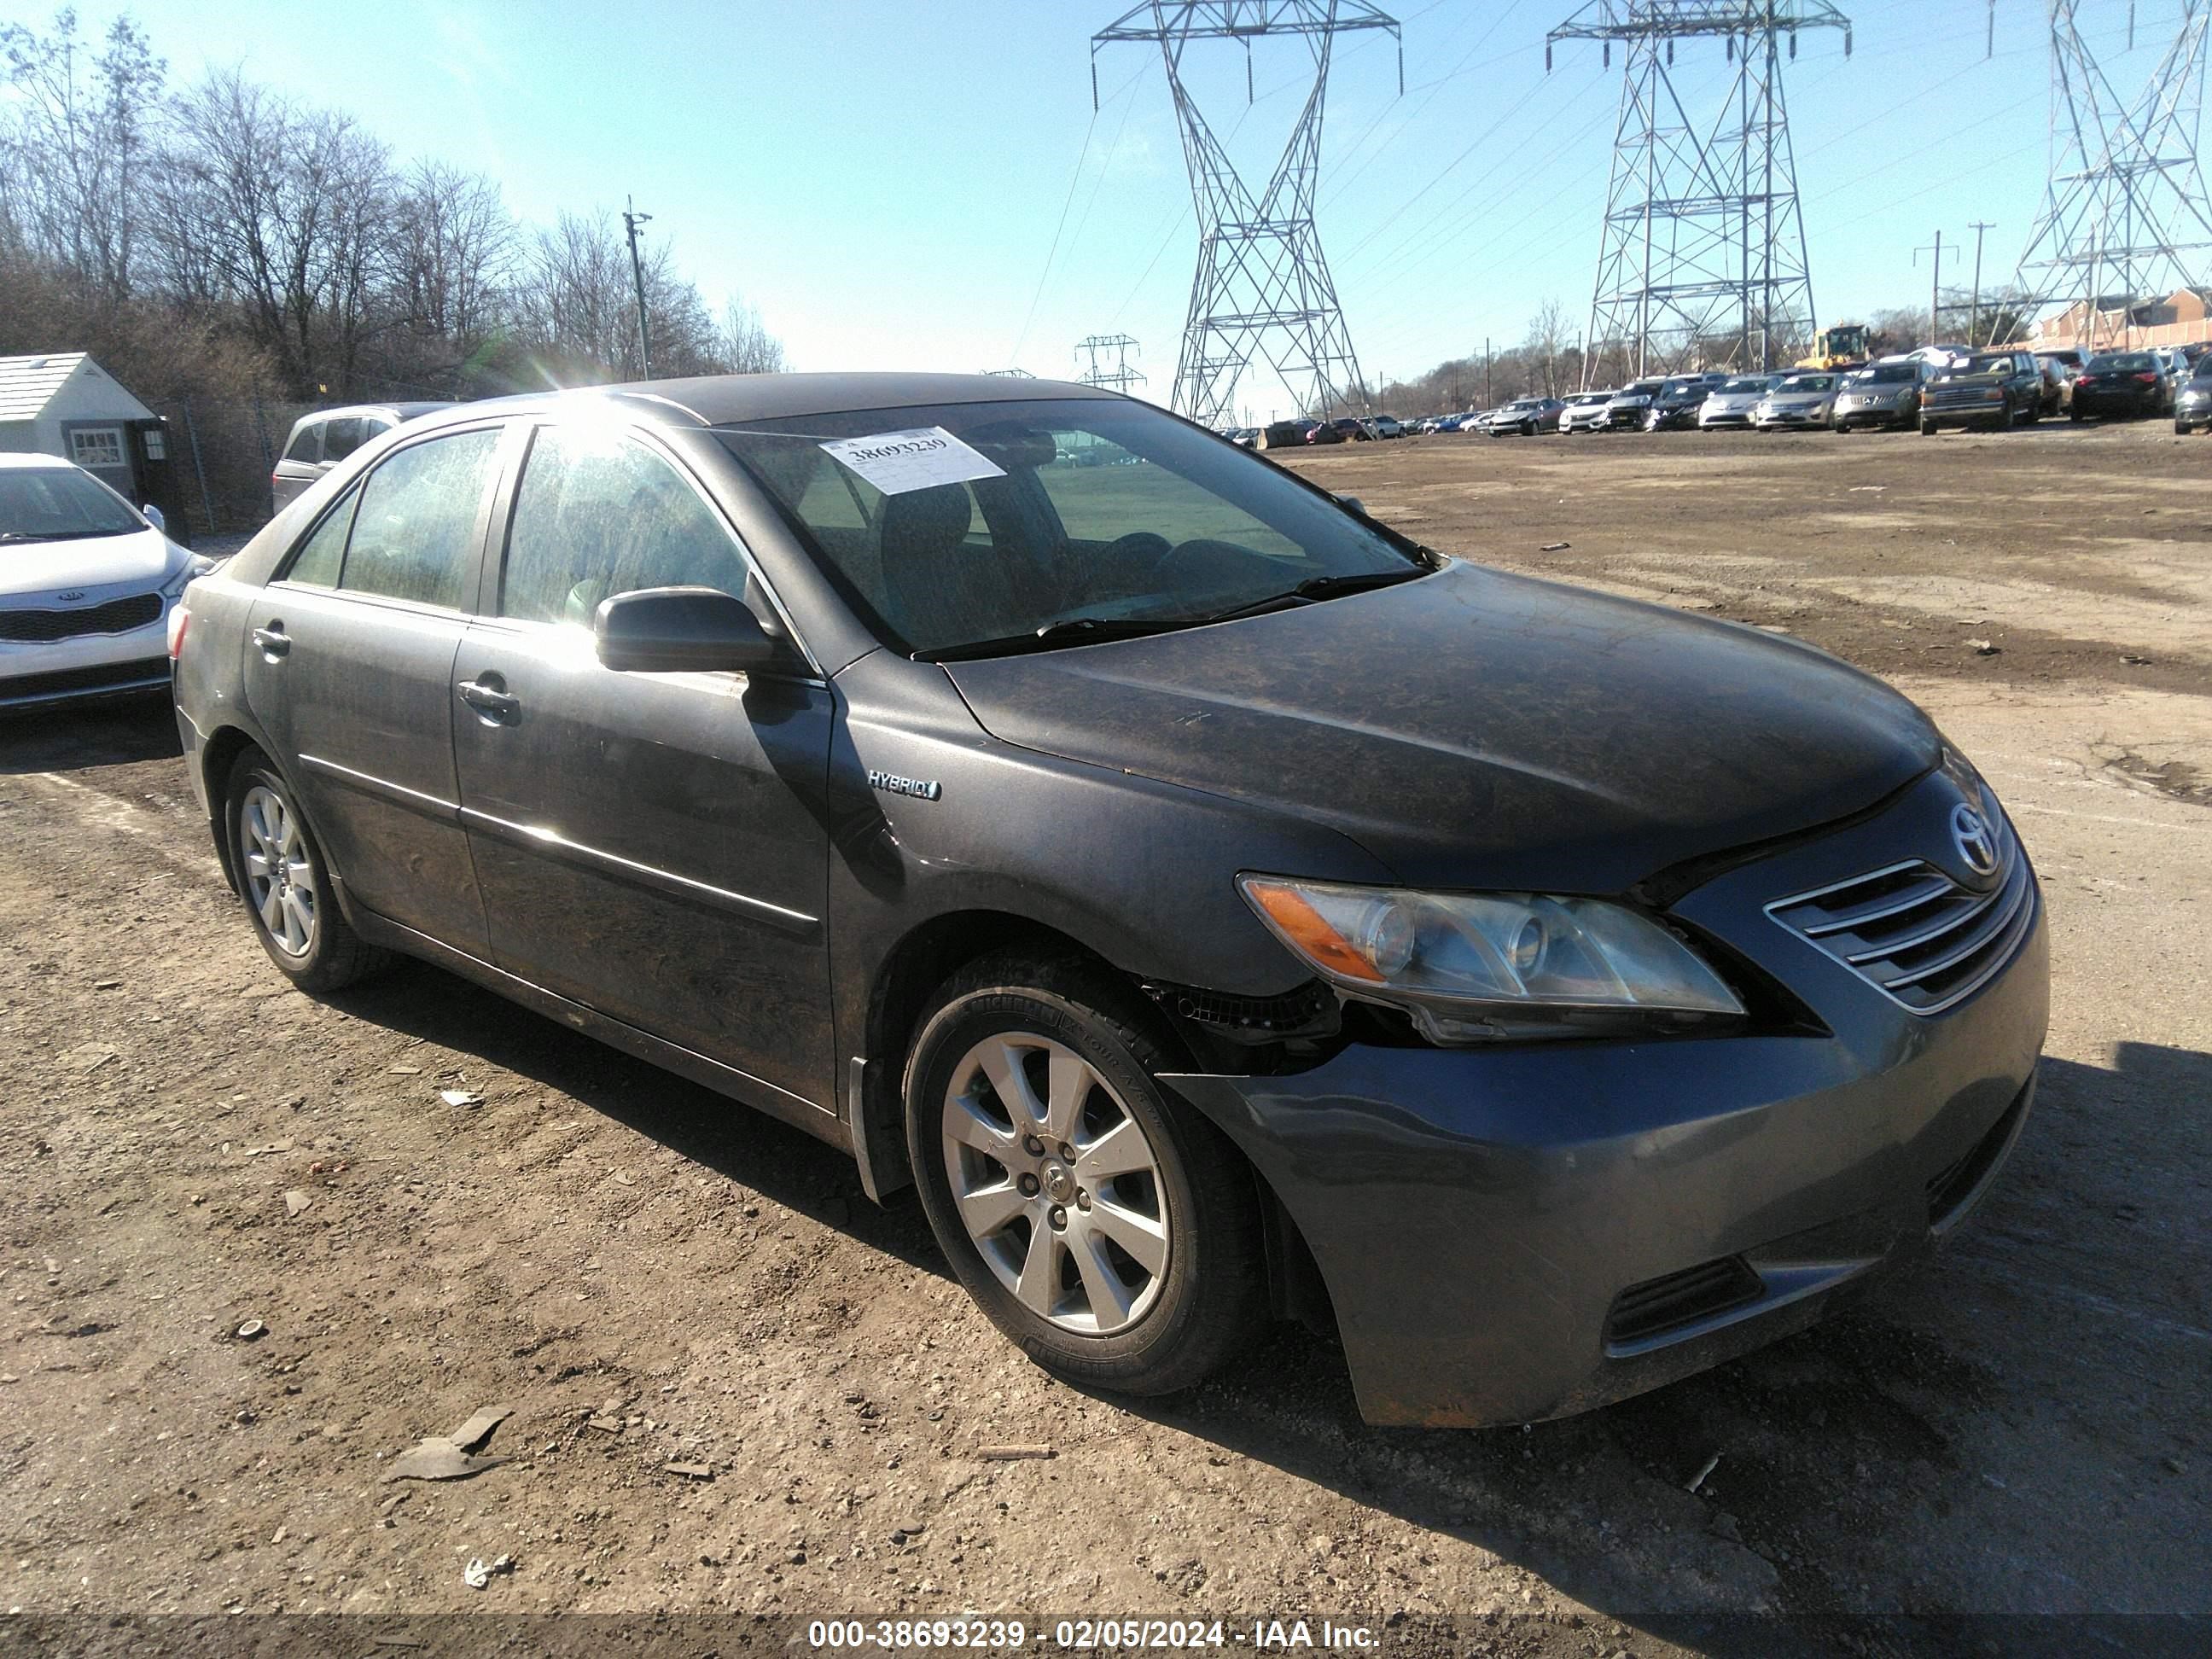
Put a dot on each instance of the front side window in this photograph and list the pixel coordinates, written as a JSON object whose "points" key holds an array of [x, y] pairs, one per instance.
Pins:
{"points": [[1004, 520], [341, 437], [598, 513], [57, 504], [306, 444], [415, 531]]}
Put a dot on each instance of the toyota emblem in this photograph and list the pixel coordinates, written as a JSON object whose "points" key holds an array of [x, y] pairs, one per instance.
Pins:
{"points": [[1977, 844]]}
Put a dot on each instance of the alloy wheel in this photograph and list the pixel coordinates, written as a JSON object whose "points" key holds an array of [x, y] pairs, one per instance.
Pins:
{"points": [[280, 878], [1056, 1183]]}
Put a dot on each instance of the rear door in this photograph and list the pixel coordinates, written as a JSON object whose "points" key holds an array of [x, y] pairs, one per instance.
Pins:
{"points": [[349, 669], [650, 845], [300, 466]]}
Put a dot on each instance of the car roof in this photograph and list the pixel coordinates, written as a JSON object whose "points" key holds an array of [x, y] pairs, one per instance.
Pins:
{"points": [[732, 400], [36, 460], [348, 410]]}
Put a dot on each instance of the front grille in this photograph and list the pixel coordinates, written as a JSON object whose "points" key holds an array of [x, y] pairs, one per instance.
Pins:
{"points": [[1915, 933], [116, 617], [1659, 1305], [108, 676], [1977, 398]]}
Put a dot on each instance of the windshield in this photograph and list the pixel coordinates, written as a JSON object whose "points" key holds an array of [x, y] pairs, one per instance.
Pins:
{"points": [[2001, 365], [1750, 383], [2121, 362], [999, 520], [1683, 388], [1886, 374], [1643, 389], [1807, 382], [59, 503]]}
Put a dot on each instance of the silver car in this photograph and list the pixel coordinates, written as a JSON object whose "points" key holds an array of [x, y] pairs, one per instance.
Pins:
{"points": [[320, 440], [1585, 411], [1803, 399], [1734, 401], [1885, 394]]}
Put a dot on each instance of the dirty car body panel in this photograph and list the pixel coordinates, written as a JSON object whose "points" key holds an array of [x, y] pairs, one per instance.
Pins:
{"points": [[740, 875]]}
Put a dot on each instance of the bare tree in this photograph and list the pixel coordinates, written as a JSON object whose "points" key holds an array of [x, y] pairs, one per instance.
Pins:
{"points": [[77, 133], [1547, 337], [746, 346]]}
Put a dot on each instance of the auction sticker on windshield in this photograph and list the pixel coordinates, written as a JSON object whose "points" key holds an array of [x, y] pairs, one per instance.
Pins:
{"points": [[896, 462]]}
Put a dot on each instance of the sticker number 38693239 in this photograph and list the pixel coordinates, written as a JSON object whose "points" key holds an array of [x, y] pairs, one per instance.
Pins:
{"points": [[896, 462]]}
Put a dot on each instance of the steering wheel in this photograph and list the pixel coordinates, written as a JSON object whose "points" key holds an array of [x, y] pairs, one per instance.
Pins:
{"points": [[1141, 546]]}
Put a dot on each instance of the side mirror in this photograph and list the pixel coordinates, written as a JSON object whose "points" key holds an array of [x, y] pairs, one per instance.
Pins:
{"points": [[1354, 503], [663, 630]]}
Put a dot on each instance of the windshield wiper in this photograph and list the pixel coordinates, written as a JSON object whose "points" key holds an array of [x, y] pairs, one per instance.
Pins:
{"points": [[1319, 587], [1071, 630], [10, 537]]}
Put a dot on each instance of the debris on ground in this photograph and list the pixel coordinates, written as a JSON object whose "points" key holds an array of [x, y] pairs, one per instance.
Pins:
{"points": [[1698, 1479], [1983, 647], [478, 1573], [461, 1096], [1555, 547], [273, 1146], [107, 985], [251, 1331], [1011, 1453], [85, 1057], [295, 1200], [448, 1456], [690, 1471]]}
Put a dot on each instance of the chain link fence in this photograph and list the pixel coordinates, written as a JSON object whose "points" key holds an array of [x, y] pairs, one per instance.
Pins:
{"points": [[221, 454]]}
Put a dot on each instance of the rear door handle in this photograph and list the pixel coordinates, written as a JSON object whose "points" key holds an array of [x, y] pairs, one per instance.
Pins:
{"points": [[273, 640], [487, 696]]}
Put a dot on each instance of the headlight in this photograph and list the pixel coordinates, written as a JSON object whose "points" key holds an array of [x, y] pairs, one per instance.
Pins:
{"points": [[197, 565], [1471, 966]]}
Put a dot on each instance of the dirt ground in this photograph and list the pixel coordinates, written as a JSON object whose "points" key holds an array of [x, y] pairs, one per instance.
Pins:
{"points": [[738, 1387]]}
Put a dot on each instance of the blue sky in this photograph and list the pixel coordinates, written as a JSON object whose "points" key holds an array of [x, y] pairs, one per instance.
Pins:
{"points": [[885, 181]]}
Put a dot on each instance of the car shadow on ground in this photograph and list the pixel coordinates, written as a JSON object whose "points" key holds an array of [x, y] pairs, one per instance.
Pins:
{"points": [[783, 1163], [1907, 1400], [69, 739]]}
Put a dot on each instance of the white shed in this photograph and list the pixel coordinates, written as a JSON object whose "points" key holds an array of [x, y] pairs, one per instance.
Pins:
{"points": [[64, 404]]}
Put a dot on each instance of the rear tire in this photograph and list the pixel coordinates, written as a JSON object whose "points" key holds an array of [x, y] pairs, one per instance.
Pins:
{"points": [[1927, 428], [1126, 1253], [287, 886]]}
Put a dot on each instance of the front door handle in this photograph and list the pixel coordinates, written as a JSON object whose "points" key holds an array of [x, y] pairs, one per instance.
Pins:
{"points": [[273, 639], [487, 693]]}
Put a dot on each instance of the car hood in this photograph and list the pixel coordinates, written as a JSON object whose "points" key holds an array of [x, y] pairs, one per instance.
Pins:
{"points": [[1795, 399], [1474, 729], [101, 567], [1736, 399]]}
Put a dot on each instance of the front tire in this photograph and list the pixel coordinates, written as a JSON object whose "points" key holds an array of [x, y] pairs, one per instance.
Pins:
{"points": [[1108, 1231], [1927, 428], [286, 885]]}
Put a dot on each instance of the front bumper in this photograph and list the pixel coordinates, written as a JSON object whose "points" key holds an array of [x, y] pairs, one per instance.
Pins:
{"points": [[1813, 415], [86, 667], [1478, 1214], [1891, 414]]}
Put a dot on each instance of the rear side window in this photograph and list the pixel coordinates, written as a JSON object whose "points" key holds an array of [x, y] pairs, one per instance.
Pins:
{"points": [[317, 563], [415, 529], [307, 443], [341, 437], [598, 513]]}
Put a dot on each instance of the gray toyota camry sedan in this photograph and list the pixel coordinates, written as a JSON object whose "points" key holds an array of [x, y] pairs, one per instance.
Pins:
{"points": [[1217, 906]]}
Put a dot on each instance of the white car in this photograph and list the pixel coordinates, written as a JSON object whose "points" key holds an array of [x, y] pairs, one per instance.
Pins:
{"points": [[1585, 412], [1736, 402], [1803, 400], [86, 584]]}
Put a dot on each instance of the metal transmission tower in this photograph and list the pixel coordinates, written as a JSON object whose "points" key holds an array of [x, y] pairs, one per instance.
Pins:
{"points": [[1703, 248], [1262, 288], [1116, 374], [2125, 212]]}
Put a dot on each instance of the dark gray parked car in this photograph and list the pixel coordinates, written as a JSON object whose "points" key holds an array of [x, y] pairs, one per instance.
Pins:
{"points": [[320, 440], [1218, 906]]}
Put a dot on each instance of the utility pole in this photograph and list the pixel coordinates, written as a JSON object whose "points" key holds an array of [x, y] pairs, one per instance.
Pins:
{"points": [[1486, 401], [1935, 288], [1974, 317], [631, 220]]}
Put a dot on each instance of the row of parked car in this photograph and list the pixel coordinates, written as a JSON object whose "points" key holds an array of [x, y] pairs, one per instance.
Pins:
{"points": [[1932, 388]]}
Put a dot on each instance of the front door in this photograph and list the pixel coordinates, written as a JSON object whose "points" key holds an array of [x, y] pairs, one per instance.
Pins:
{"points": [[349, 669], [650, 845]]}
